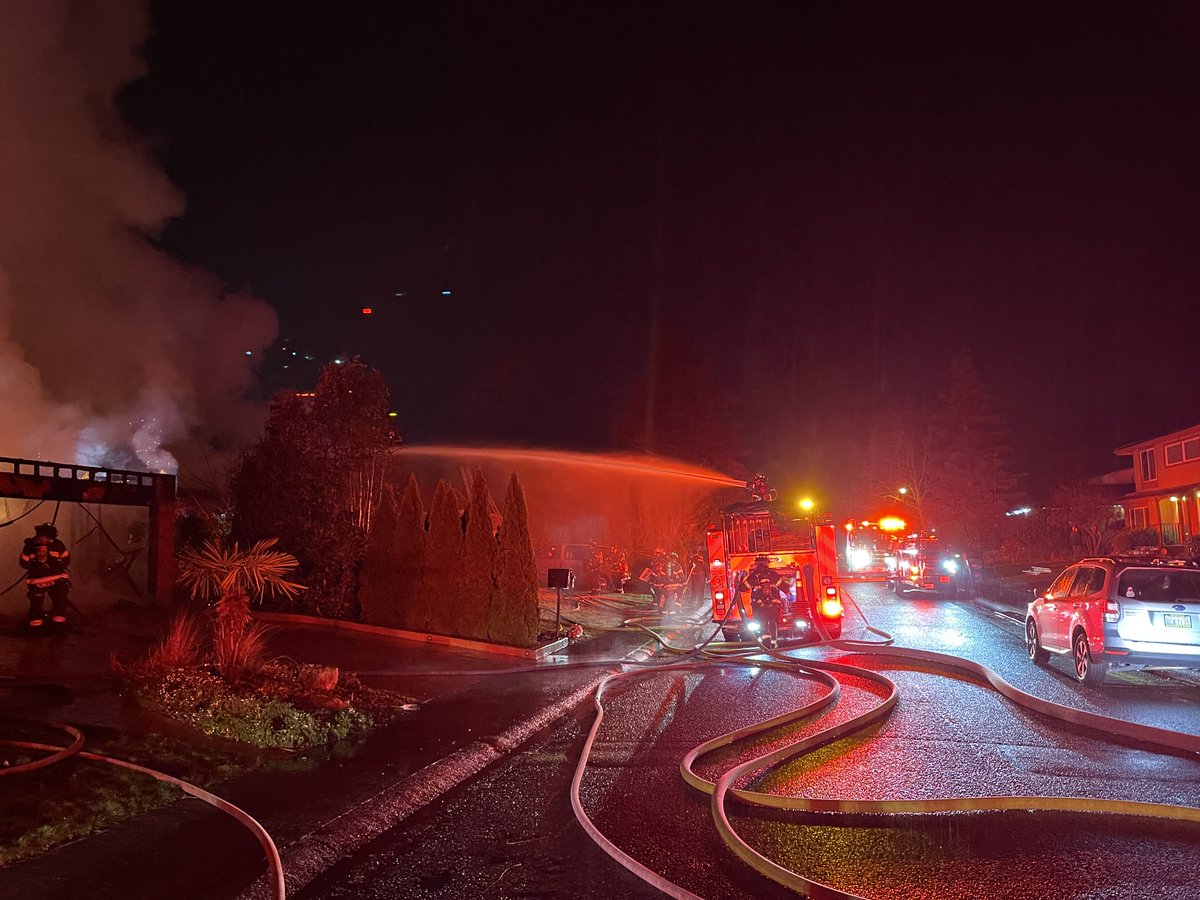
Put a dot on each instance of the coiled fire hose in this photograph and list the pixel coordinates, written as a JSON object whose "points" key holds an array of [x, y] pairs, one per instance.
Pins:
{"points": [[723, 788]]}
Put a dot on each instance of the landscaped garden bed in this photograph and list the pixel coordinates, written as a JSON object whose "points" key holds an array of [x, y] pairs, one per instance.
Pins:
{"points": [[282, 705]]}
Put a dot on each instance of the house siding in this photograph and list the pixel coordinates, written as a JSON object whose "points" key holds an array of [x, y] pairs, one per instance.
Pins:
{"points": [[1169, 502]]}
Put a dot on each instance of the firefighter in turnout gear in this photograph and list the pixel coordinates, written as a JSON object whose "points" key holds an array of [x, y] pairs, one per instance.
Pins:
{"points": [[666, 581], [765, 586], [45, 559]]}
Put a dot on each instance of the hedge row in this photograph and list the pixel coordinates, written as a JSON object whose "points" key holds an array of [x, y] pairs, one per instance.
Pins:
{"points": [[450, 571]]}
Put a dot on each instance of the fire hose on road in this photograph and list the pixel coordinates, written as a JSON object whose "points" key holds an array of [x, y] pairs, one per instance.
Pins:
{"points": [[711, 652], [723, 789]]}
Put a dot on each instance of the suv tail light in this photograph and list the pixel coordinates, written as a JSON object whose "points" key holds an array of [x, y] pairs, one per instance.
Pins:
{"points": [[1112, 611]]}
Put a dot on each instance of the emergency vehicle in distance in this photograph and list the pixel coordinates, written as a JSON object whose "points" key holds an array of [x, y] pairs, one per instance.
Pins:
{"points": [[801, 550], [871, 547], [924, 565]]}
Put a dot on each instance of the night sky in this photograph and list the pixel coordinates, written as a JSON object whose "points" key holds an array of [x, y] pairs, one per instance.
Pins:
{"points": [[781, 219]]}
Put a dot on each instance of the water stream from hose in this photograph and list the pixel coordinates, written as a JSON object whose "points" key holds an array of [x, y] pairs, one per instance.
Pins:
{"points": [[613, 462]]}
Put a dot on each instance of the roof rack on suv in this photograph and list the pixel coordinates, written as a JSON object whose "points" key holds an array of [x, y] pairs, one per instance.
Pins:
{"points": [[1133, 559]]}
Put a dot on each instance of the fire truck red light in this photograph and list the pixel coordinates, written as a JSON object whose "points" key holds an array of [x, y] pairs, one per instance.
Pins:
{"points": [[366, 310]]}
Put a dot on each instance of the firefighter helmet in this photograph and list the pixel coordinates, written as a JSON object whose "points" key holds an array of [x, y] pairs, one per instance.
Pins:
{"points": [[46, 528]]}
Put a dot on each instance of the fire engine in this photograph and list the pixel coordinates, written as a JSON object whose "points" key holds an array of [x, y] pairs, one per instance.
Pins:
{"points": [[801, 550], [872, 547], [924, 565]]}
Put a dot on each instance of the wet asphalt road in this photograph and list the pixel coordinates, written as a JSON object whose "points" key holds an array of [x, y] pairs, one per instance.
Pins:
{"points": [[510, 831]]}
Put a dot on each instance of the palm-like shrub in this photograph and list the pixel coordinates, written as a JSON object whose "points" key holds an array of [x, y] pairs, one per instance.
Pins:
{"points": [[233, 577]]}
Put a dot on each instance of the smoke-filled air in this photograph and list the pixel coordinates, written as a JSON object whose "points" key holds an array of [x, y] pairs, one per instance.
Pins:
{"points": [[111, 352]]}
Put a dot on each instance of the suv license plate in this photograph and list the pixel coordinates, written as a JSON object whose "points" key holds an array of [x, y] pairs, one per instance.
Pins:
{"points": [[1173, 620]]}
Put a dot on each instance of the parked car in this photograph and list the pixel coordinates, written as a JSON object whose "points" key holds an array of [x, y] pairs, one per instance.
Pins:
{"points": [[923, 565], [1113, 611]]}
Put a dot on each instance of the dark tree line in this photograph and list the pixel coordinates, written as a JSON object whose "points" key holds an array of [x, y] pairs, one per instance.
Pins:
{"points": [[952, 456], [318, 482]]}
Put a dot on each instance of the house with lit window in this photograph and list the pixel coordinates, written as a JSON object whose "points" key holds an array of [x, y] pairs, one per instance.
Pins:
{"points": [[1166, 482]]}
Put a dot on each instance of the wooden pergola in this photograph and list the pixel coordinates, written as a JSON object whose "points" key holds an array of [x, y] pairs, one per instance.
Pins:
{"points": [[69, 483]]}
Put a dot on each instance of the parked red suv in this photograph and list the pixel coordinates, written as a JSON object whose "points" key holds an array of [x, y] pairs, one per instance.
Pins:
{"points": [[1118, 612]]}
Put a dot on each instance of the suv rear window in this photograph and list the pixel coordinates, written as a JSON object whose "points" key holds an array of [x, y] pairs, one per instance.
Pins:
{"points": [[1158, 585]]}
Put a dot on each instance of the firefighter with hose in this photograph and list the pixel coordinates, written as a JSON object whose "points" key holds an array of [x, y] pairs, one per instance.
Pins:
{"points": [[765, 586], [45, 559]]}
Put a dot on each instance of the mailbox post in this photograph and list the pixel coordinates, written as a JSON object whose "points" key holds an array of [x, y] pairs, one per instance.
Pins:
{"points": [[559, 579]]}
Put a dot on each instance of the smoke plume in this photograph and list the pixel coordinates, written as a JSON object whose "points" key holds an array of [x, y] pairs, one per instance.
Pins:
{"points": [[111, 352]]}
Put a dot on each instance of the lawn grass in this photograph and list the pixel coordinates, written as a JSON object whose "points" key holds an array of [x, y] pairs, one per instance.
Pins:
{"points": [[276, 720], [75, 797]]}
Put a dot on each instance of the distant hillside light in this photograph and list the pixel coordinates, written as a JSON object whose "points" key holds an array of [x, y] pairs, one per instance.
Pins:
{"points": [[249, 352], [445, 293], [392, 414], [367, 310]]}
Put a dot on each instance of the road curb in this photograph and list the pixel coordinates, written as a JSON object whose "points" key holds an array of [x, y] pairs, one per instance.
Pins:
{"points": [[309, 857], [412, 637]]}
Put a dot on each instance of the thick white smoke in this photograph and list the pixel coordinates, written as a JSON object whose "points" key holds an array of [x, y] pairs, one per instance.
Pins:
{"points": [[111, 352]]}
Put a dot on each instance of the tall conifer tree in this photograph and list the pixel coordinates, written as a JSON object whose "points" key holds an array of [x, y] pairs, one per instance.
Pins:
{"points": [[314, 478], [410, 559], [977, 480], [444, 552], [477, 579], [378, 594], [513, 615]]}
